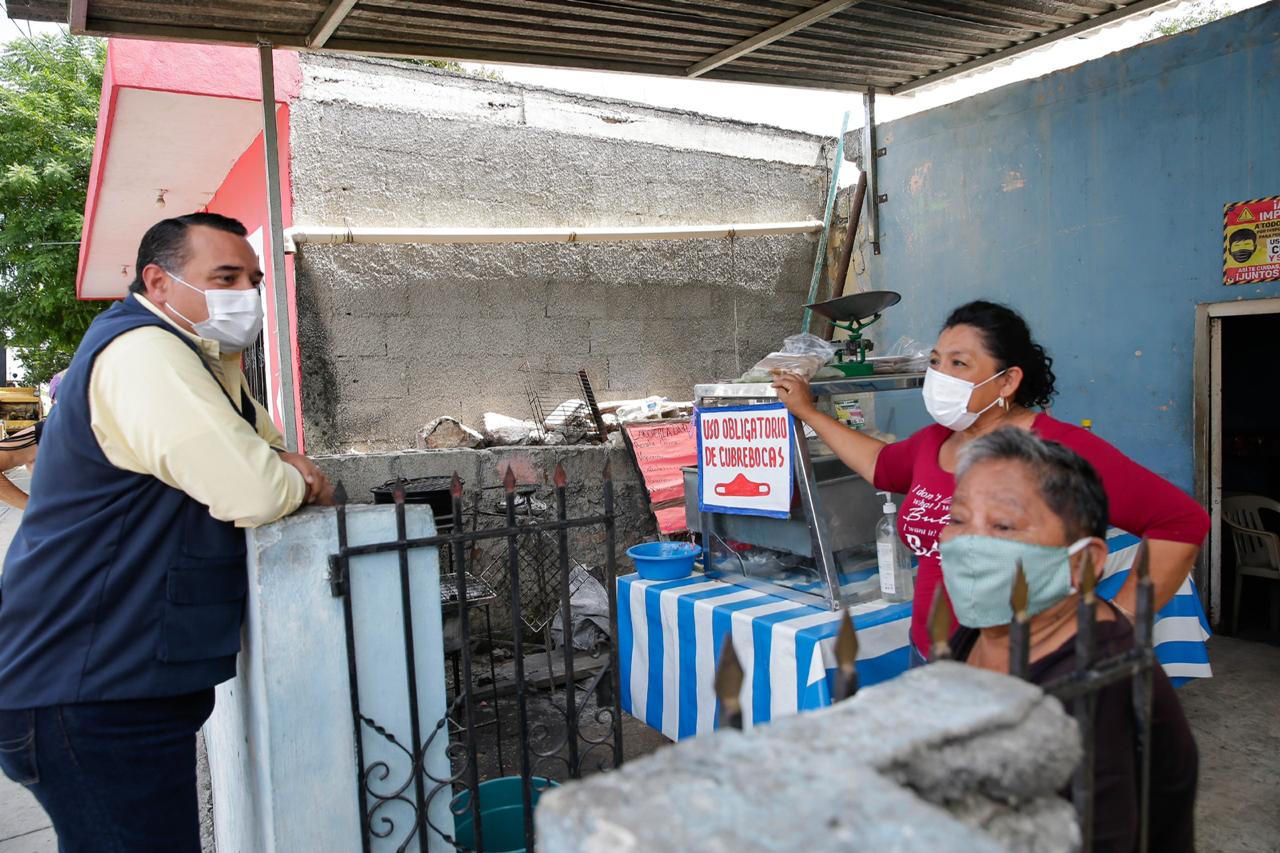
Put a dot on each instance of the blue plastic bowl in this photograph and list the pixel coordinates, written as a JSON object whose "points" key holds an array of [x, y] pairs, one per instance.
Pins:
{"points": [[664, 561]]}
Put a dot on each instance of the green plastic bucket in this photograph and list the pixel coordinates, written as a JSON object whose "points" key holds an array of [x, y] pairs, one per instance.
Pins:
{"points": [[501, 814]]}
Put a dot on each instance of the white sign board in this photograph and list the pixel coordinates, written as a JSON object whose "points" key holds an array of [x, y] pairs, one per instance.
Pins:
{"points": [[744, 460]]}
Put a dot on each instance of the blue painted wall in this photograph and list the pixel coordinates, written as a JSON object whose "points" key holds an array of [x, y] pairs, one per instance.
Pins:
{"points": [[1091, 200]]}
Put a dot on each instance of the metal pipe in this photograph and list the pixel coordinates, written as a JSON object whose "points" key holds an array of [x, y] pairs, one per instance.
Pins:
{"points": [[846, 251], [496, 533], [769, 36], [1110, 671], [328, 25], [1084, 707], [353, 682], [807, 485], [611, 582], [411, 670], [566, 627], [464, 628], [517, 652], [493, 681], [1143, 687], [869, 144], [282, 332], [826, 223], [309, 234]]}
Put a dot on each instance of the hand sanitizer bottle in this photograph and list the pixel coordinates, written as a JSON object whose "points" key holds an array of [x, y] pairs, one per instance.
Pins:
{"points": [[896, 582]]}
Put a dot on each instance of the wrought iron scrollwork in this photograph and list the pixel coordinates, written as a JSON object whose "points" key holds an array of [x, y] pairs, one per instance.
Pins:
{"points": [[396, 794]]}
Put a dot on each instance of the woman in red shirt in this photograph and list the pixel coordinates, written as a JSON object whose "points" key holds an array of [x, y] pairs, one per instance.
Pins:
{"points": [[985, 373]]}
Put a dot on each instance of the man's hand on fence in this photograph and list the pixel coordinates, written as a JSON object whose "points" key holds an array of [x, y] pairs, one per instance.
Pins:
{"points": [[319, 489]]}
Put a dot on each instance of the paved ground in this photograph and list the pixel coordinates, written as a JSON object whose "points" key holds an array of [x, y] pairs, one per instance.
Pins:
{"points": [[1235, 715], [24, 828], [1236, 719]]}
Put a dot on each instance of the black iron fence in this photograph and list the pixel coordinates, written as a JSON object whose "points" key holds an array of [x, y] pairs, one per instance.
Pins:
{"points": [[1077, 690], [516, 701]]}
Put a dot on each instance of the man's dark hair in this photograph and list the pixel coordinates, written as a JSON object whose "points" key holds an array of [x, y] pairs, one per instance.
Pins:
{"points": [[1242, 234], [1068, 483], [165, 243]]}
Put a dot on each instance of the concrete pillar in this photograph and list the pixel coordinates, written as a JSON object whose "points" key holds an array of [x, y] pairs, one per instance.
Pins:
{"points": [[281, 741]]}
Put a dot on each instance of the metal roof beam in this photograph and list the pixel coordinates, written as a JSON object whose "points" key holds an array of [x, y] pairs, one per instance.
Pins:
{"points": [[329, 22], [786, 28], [1031, 44]]}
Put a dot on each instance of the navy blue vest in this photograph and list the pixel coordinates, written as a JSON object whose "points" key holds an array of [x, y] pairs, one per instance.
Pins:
{"points": [[116, 585]]}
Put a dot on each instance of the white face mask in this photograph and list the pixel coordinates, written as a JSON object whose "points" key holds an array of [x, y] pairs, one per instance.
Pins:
{"points": [[235, 316], [947, 399]]}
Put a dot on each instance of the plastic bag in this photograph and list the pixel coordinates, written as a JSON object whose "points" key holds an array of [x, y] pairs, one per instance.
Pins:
{"points": [[783, 362], [588, 612], [807, 344], [907, 355]]}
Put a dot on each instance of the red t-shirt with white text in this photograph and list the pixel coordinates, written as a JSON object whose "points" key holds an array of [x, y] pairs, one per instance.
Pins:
{"points": [[1140, 502]]}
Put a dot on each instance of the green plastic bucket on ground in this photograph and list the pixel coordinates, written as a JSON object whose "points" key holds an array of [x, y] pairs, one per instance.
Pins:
{"points": [[501, 814]]}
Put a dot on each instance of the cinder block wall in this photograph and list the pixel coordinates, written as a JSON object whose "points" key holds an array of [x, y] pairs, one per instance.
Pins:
{"points": [[393, 336]]}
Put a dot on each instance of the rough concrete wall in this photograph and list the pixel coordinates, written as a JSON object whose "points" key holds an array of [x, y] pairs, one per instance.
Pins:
{"points": [[881, 771], [393, 336]]}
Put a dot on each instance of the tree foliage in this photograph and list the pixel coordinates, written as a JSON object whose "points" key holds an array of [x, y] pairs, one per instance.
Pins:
{"points": [[49, 90], [1197, 15]]}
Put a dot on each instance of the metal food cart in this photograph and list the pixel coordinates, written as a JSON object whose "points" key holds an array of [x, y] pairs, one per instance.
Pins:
{"points": [[824, 553]]}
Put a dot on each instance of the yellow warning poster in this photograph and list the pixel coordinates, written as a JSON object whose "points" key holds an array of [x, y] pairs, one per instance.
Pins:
{"points": [[1251, 241]]}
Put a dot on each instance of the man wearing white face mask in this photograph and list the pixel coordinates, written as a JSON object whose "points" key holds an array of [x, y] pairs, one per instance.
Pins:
{"points": [[124, 588], [1020, 498]]}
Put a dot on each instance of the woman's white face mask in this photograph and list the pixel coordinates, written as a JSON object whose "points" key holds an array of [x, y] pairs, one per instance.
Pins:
{"points": [[947, 399]]}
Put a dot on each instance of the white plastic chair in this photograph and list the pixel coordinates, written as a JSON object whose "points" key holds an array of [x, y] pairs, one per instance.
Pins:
{"points": [[1257, 549]]}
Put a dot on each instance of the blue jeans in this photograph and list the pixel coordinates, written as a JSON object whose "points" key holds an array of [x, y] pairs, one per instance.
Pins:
{"points": [[914, 658], [115, 777]]}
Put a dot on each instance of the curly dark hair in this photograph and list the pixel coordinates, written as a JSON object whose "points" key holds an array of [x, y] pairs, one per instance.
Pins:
{"points": [[1008, 340]]}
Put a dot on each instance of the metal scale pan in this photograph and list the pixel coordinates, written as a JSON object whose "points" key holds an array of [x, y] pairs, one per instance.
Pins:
{"points": [[856, 306]]}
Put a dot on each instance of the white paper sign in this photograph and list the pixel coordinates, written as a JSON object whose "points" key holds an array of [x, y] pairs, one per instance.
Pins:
{"points": [[744, 460]]}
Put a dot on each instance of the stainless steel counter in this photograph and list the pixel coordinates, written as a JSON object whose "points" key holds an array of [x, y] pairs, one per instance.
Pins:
{"points": [[821, 388]]}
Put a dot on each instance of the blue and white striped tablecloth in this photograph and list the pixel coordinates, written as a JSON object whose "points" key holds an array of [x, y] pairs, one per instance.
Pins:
{"points": [[670, 632]]}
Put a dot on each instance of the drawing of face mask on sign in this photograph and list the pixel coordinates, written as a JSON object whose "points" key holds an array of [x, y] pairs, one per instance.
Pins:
{"points": [[741, 487], [1242, 243]]}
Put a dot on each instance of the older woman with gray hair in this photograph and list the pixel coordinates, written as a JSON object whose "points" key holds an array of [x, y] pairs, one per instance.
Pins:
{"points": [[1021, 498]]}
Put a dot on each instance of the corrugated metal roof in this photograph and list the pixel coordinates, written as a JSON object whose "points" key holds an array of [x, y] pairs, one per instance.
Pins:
{"points": [[887, 45]]}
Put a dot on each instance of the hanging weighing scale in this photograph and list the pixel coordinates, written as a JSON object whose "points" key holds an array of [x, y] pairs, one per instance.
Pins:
{"points": [[854, 313]]}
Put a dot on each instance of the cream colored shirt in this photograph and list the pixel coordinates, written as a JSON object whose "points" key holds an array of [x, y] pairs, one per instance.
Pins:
{"points": [[155, 410]]}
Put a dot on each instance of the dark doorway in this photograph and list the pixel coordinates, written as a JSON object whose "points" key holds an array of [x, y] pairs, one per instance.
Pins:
{"points": [[1250, 471]]}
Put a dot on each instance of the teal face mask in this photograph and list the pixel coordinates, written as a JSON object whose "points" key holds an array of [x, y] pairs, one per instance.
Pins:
{"points": [[978, 572]]}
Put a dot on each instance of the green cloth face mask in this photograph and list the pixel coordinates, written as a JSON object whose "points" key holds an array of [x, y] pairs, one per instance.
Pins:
{"points": [[978, 572]]}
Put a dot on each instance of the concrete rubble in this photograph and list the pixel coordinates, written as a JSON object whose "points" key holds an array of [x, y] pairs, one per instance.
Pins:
{"points": [[503, 431], [447, 433], [943, 758]]}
